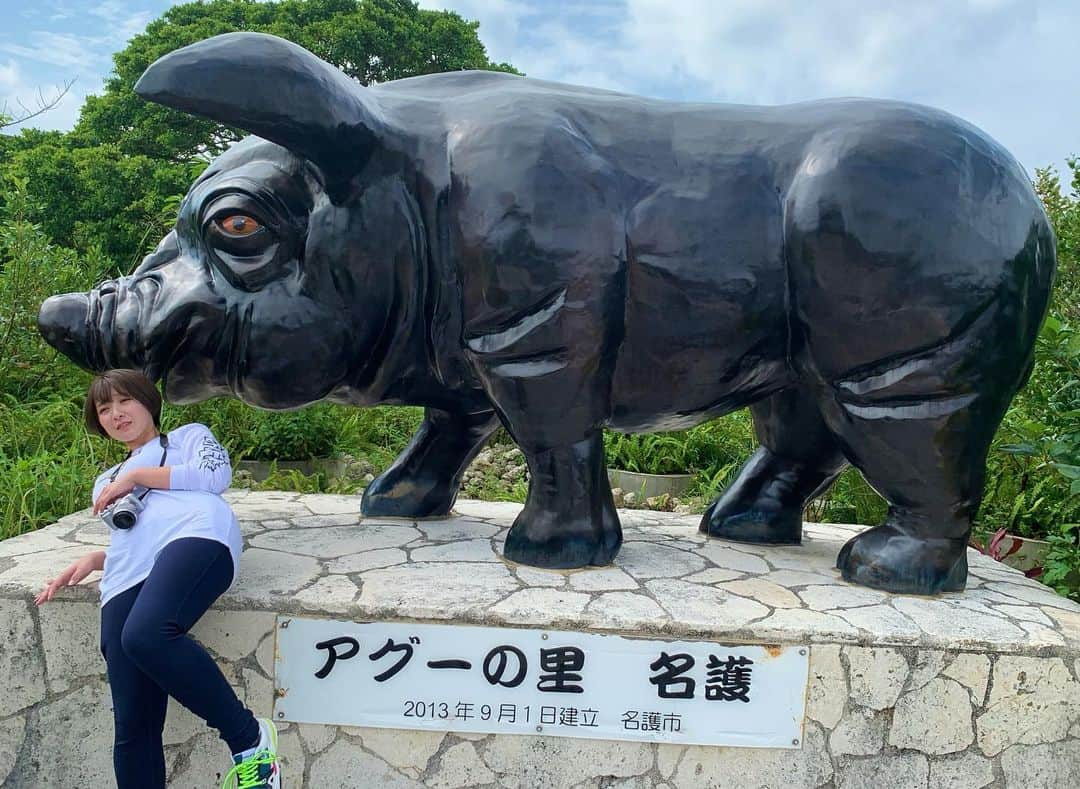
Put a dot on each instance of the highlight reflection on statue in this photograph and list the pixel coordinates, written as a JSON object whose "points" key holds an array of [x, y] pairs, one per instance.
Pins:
{"points": [[868, 277]]}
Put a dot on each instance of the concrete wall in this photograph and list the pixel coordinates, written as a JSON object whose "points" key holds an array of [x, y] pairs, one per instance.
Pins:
{"points": [[887, 706]]}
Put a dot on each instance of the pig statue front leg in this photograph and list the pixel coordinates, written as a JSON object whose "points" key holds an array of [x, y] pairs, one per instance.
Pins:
{"points": [[569, 519], [424, 480], [544, 305], [553, 401]]}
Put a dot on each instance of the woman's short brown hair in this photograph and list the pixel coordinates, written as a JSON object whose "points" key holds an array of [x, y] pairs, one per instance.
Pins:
{"points": [[126, 382]]}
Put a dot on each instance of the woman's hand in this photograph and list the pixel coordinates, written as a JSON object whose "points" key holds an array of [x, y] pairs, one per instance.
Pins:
{"points": [[71, 575], [113, 491]]}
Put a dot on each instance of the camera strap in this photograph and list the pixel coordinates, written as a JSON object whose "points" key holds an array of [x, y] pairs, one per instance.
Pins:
{"points": [[163, 439]]}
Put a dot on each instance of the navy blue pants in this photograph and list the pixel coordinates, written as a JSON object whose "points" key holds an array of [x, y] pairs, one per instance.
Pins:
{"points": [[149, 657]]}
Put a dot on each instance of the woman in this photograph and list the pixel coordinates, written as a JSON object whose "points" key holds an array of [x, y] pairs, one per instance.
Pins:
{"points": [[160, 576]]}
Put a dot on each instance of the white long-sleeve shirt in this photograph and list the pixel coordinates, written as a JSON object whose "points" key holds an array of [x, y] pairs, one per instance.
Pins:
{"points": [[192, 507]]}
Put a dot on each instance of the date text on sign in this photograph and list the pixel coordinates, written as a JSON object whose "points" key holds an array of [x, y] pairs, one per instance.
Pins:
{"points": [[513, 681]]}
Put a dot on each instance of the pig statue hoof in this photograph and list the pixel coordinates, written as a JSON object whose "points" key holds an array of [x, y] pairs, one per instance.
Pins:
{"points": [[548, 540], [393, 495], [727, 520], [765, 502], [888, 559]]}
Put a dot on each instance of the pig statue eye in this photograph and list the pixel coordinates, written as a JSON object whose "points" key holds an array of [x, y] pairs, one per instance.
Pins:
{"points": [[238, 225], [238, 232], [246, 243]]}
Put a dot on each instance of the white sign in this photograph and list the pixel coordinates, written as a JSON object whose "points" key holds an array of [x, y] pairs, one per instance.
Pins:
{"points": [[514, 681]]}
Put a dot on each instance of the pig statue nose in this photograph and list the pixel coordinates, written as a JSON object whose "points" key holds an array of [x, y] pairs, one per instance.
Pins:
{"points": [[62, 322]]}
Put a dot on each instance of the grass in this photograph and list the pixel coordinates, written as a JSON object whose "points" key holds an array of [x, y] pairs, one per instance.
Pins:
{"points": [[48, 464], [48, 461]]}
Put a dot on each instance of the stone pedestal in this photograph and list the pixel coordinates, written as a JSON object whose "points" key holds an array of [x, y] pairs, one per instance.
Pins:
{"points": [[975, 689]]}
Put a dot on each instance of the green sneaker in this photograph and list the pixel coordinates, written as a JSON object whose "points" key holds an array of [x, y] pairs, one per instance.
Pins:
{"points": [[260, 770]]}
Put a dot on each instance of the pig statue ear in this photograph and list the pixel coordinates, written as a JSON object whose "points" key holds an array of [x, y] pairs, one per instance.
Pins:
{"points": [[278, 91]]}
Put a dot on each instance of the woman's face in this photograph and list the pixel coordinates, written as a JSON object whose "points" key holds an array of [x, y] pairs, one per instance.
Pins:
{"points": [[126, 419]]}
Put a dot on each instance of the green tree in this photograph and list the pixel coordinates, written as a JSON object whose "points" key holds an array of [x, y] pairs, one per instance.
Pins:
{"points": [[1033, 471], [96, 197], [112, 184], [370, 40], [31, 270], [1064, 213]]}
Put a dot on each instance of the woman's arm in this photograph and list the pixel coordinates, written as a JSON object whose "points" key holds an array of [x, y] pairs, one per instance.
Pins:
{"points": [[72, 574], [157, 477], [198, 462], [151, 477], [202, 463]]}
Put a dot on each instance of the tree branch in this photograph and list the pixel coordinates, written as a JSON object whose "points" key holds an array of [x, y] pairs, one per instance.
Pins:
{"points": [[43, 106]]}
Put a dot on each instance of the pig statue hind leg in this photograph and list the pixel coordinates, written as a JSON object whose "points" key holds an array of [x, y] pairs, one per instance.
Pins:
{"points": [[926, 458], [913, 323], [931, 471], [424, 480], [921, 440], [798, 460]]}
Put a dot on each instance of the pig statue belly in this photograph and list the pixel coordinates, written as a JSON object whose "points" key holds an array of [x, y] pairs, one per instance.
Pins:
{"points": [[868, 277]]}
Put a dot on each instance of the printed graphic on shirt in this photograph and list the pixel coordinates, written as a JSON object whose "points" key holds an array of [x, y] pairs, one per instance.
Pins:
{"points": [[212, 455]]}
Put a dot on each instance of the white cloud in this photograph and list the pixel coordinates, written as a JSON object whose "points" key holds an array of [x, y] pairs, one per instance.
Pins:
{"points": [[51, 9], [40, 62], [500, 21], [121, 21], [80, 53], [9, 77], [1005, 65], [62, 117], [773, 51], [19, 97]]}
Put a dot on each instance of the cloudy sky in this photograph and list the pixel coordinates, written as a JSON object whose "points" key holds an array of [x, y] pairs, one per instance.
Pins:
{"points": [[1009, 66]]}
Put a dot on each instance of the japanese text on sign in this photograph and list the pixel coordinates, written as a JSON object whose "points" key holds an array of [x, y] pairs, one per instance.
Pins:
{"points": [[505, 680]]}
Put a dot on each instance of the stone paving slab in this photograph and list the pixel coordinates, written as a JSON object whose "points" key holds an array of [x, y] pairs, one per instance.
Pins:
{"points": [[972, 689]]}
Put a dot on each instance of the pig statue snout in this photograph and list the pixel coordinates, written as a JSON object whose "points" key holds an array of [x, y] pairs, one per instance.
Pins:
{"points": [[62, 321]]}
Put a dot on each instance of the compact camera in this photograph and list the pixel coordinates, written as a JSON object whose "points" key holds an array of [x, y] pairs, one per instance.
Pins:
{"points": [[123, 512]]}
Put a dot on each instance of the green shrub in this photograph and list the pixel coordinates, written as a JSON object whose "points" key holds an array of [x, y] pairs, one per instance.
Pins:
{"points": [[491, 488], [1033, 471], [715, 452], [849, 500], [708, 449], [291, 479], [31, 270], [254, 434], [378, 434], [48, 462], [295, 435]]}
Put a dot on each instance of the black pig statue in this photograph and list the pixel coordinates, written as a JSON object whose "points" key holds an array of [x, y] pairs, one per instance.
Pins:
{"points": [[869, 277]]}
